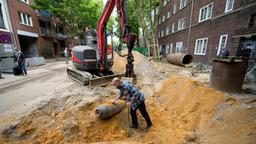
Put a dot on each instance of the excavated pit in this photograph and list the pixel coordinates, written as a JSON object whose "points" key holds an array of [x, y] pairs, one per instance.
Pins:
{"points": [[182, 111]]}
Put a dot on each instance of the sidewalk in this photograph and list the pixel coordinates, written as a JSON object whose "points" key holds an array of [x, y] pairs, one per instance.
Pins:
{"points": [[33, 72]]}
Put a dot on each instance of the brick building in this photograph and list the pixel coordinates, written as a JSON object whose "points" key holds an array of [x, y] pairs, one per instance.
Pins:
{"points": [[204, 28], [37, 32], [6, 31], [7, 39]]}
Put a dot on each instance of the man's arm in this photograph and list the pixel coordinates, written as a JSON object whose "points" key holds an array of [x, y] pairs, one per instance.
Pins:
{"points": [[118, 97]]}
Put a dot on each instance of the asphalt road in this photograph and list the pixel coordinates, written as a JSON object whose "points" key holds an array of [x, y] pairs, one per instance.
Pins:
{"points": [[22, 94]]}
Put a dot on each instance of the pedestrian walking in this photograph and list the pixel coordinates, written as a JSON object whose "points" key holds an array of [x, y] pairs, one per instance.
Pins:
{"points": [[66, 54], [21, 63]]}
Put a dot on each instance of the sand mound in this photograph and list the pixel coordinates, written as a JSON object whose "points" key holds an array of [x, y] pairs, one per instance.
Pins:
{"points": [[120, 62], [177, 110]]}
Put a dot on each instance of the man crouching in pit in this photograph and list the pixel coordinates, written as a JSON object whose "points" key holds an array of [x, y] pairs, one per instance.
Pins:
{"points": [[134, 100]]}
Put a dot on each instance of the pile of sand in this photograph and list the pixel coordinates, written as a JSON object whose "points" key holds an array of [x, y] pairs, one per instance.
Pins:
{"points": [[178, 111], [120, 62]]}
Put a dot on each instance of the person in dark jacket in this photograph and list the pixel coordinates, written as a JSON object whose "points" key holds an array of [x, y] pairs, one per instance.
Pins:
{"points": [[21, 63]]}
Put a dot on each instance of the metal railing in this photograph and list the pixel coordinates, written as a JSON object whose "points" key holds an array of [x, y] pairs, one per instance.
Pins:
{"points": [[47, 32]]}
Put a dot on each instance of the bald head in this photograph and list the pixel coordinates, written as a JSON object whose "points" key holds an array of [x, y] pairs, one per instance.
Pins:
{"points": [[116, 82]]}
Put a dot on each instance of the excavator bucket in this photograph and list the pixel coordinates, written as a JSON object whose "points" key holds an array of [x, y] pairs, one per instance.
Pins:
{"points": [[87, 79]]}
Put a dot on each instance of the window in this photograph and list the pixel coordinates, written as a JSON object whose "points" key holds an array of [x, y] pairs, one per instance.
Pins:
{"points": [[173, 27], [222, 43], [3, 17], [163, 18], [178, 47], [229, 5], [2, 24], [162, 33], [167, 50], [201, 45], [168, 14], [167, 30], [252, 21], [171, 47], [25, 19], [165, 2], [174, 9], [183, 3], [181, 24], [25, 1], [205, 12], [159, 34]]}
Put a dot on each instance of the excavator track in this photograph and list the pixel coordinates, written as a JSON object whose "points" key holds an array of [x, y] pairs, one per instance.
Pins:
{"points": [[88, 79]]}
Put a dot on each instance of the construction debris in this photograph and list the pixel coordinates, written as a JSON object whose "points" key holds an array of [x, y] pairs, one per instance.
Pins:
{"points": [[199, 68]]}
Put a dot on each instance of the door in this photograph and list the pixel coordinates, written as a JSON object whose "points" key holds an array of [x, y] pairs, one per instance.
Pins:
{"points": [[222, 43]]}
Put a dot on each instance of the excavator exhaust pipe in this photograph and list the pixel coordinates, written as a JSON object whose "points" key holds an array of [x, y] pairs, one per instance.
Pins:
{"points": [[106, 111], [179, 59]]}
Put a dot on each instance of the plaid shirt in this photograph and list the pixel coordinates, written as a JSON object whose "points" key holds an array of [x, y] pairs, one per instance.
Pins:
{"points": [[131, 93]]}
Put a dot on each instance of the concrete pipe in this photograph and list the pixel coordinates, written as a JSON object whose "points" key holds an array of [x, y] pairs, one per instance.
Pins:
{"points": [[106, 111], [179, 59]]}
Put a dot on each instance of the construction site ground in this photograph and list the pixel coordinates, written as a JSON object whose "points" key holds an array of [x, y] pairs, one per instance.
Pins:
{"points": [[183, 108]]}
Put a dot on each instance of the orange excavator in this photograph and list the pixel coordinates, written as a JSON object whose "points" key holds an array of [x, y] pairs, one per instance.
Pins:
{"points": [[93, 61]]}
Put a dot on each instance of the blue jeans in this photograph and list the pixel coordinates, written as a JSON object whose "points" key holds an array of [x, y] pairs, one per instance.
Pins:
{"points": [[22, 68]]}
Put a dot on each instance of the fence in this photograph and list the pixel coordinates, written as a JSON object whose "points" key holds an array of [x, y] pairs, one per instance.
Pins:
{"points": [[244, 50]]}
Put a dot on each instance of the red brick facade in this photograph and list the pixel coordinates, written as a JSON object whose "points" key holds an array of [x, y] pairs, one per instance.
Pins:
{"points": [[40, 39], [220, 23]]}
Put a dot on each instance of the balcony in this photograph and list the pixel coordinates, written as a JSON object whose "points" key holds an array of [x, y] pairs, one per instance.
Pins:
{"points": [[62, 36], [44, 15], [46, 33]]}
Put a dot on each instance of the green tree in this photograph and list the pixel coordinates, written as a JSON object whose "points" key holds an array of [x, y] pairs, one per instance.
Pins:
{"points": [[76, 15], [147, 14]]}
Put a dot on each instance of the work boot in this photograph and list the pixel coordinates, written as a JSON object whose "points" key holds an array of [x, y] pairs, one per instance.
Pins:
{"points": [[148, 126], [134, 126]]}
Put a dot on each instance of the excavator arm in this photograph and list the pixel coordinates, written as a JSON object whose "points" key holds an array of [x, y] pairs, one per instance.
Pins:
{"points": [[125, 28]]}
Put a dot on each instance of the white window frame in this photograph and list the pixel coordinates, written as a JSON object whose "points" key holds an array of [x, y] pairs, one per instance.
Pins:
{"points": [[220, 43], [178, 49], [173, 27], [162, 33], [5, 19], [27, 18], [167, 30], [168, 14], [227, 4], [183, 3], [165, 2], [203, 44], [208, 14], [171, 47], [167, 49], [25, 1], [174, 9], [181, 24], [159, 34], [163, 18]]}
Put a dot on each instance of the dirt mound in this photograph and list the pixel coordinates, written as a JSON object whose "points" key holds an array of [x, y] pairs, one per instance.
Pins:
{"points": [[177, 110], [120, 62]]}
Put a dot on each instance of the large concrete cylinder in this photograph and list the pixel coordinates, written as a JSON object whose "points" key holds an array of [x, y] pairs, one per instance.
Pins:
{"points": [[179, 59], [228, 76], [108, 110]]}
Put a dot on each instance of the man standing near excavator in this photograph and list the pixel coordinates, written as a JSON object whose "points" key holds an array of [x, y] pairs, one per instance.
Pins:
{"points": [[134, 99]]}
